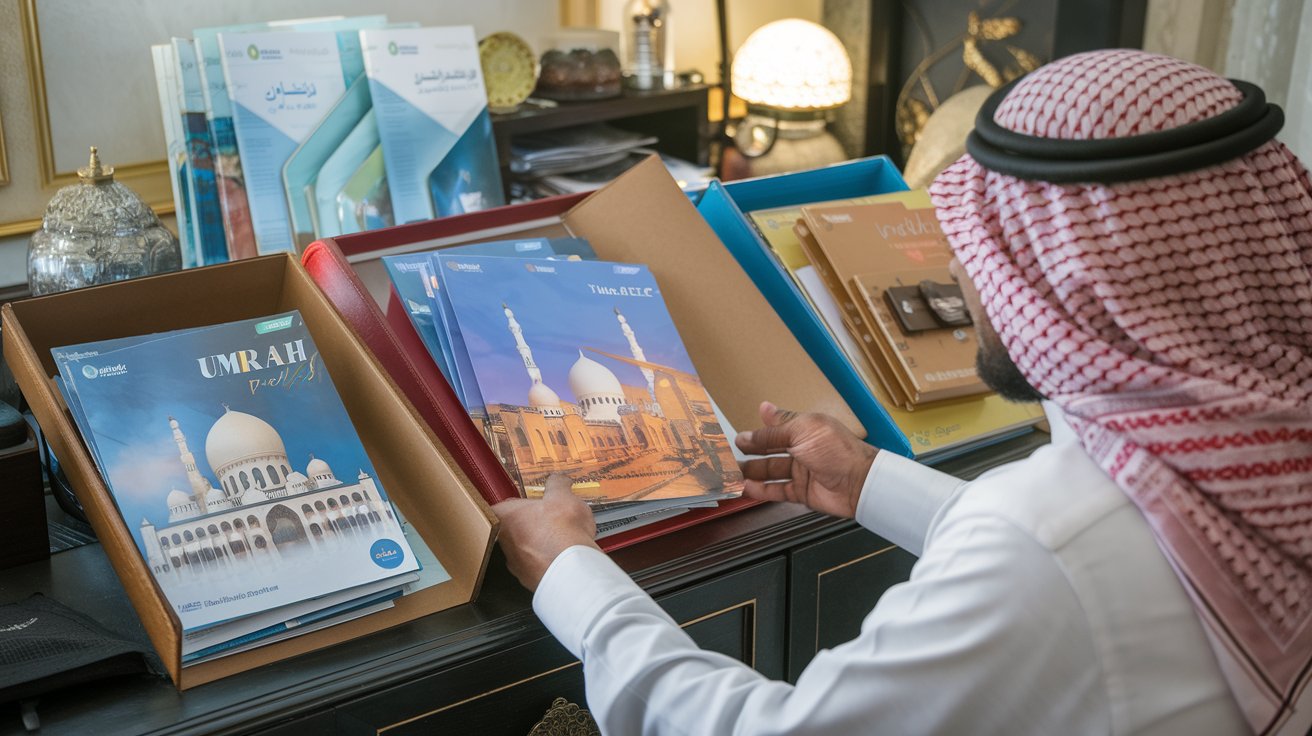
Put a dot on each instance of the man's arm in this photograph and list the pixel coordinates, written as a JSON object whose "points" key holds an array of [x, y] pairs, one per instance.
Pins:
{"points": [[900, 498], [987, 636]]}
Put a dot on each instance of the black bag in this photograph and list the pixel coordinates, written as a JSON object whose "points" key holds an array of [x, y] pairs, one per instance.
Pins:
{"points": [[45, 646]]}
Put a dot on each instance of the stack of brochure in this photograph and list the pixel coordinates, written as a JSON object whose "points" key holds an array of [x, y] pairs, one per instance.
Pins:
{"points": [[572, 366], [585, 158], [234, 464], [865, 265], [283, 132]]}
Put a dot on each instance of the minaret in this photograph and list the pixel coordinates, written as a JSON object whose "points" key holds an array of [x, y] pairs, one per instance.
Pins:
{"points": [[540, 395], [636, 349], [524, 352], [199, 486]]}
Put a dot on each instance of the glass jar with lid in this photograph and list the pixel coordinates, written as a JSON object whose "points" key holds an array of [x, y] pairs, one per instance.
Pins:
{"points": [[97, 231]]}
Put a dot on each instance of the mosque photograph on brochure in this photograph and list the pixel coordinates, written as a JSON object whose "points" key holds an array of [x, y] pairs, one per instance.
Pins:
{"points": [[599, 387], [233, 461]]}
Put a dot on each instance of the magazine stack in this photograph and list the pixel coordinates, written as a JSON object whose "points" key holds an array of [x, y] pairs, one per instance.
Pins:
{"points": [[572, 366], [233, 463]]}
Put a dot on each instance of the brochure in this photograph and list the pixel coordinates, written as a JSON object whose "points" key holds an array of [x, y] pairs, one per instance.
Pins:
{"points": [[281, 85], [428, 95], [583, 372], [175, 143], [252, 515], [336, 171], [206, 220]]}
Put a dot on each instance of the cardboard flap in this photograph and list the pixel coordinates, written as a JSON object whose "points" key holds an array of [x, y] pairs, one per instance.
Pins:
{"points": [[740, 346]]}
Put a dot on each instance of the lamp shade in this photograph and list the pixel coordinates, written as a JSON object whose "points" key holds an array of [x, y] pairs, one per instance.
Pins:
{"points": [[792, 64]]}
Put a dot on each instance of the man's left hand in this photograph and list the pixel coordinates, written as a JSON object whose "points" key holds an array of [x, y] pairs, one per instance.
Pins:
{"points": [[534, 533]]}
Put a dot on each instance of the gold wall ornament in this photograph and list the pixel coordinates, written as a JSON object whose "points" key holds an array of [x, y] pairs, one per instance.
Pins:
{"points": [[918, 99], [564, 718]]}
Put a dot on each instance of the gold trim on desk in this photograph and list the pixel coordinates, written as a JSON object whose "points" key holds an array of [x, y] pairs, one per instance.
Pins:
{"points": [[752, 656], [825, 572], [150, 179]]}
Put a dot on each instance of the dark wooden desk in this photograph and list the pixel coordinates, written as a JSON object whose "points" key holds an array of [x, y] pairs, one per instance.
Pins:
{"points": [[753, 585]]}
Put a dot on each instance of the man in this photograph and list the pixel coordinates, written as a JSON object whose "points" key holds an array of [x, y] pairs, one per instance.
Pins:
{"points": [[1148, 572]]}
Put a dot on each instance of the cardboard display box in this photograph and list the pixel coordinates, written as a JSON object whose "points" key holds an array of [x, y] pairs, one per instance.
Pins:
{"points": [[421, 477], [742, 350], [724, 206]]}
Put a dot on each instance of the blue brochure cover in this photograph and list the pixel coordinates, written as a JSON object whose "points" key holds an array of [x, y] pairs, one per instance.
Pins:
{"points": [[428, 95], [164, 61], [206, 214], [304, 164], [723, 206], [281, 85], [336, 171], [222, 447], [584, 373], [413, 285]]}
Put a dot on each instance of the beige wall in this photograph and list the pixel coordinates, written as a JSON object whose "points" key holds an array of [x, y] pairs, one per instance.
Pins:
{"points": [[100, 84]]}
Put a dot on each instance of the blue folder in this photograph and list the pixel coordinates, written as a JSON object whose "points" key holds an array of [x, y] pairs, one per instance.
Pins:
{"points": [[723, 206]]}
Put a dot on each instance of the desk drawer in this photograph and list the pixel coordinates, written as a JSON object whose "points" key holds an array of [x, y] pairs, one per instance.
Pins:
{"points": [[740, 614]]}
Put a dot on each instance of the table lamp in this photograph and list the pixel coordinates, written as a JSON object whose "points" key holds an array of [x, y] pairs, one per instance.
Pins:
{"points": [[791, 73]]}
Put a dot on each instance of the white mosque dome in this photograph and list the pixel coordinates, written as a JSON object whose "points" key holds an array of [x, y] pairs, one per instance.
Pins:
{"points": [[294, 477], [317, 468], [239, 436], [587, 377], [541, 396], [178, 498]]}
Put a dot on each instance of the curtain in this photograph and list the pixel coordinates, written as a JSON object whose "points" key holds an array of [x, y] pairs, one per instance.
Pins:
{"points": [[1271, 45]]}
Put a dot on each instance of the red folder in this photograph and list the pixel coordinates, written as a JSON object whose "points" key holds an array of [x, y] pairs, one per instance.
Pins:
{"points": [[398, 348]]}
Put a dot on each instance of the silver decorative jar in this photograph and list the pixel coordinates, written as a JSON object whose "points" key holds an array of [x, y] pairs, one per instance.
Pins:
{"points": [[97, 231]]}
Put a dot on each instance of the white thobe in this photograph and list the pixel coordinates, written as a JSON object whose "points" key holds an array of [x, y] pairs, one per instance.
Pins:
{"points": [[1040, 604]]}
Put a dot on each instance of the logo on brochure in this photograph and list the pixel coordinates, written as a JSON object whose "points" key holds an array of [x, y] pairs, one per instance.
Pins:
{"points": [[465, 267], [392, 48], [535, 268], [387, 554], [626, 270], [91, 371], [253, 51]]}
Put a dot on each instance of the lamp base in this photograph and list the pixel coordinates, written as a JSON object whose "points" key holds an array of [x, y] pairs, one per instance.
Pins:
{"points": [[763, 146]]}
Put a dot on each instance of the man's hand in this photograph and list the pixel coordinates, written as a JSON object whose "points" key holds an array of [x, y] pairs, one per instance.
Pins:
{"points": [[824, 465], [534, 533]]}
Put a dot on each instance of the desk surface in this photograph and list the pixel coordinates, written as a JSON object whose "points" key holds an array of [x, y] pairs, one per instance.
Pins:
{"points": [[82, 579]]}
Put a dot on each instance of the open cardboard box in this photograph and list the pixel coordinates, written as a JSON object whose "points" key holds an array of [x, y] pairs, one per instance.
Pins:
{"points": [[420, 475], [741, 348]]}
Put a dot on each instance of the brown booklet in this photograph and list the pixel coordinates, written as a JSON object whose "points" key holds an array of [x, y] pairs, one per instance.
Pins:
{"points": [[865, 250]]}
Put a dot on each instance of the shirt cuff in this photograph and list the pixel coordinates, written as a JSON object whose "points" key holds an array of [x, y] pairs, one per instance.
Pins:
{"points": [[900, 498], [579, 585]]}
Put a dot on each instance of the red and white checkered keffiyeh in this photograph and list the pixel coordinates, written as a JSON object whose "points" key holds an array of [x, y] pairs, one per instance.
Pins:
{"points": [[1171, 321]]}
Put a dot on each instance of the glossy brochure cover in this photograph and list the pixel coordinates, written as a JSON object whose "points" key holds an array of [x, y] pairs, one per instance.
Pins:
{"points": [[206, 213], [414, 284], [281, 85], [336, 171], [175, 144], [431, 105], [583, 372], [250, 515]]}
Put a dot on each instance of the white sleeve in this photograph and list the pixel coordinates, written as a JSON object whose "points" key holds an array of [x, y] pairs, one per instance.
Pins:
{"points": [[986, 637], [900, 497]]}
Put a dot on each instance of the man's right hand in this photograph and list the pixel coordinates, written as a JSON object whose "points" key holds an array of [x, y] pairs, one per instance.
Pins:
{"points": [[822, 464]]}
